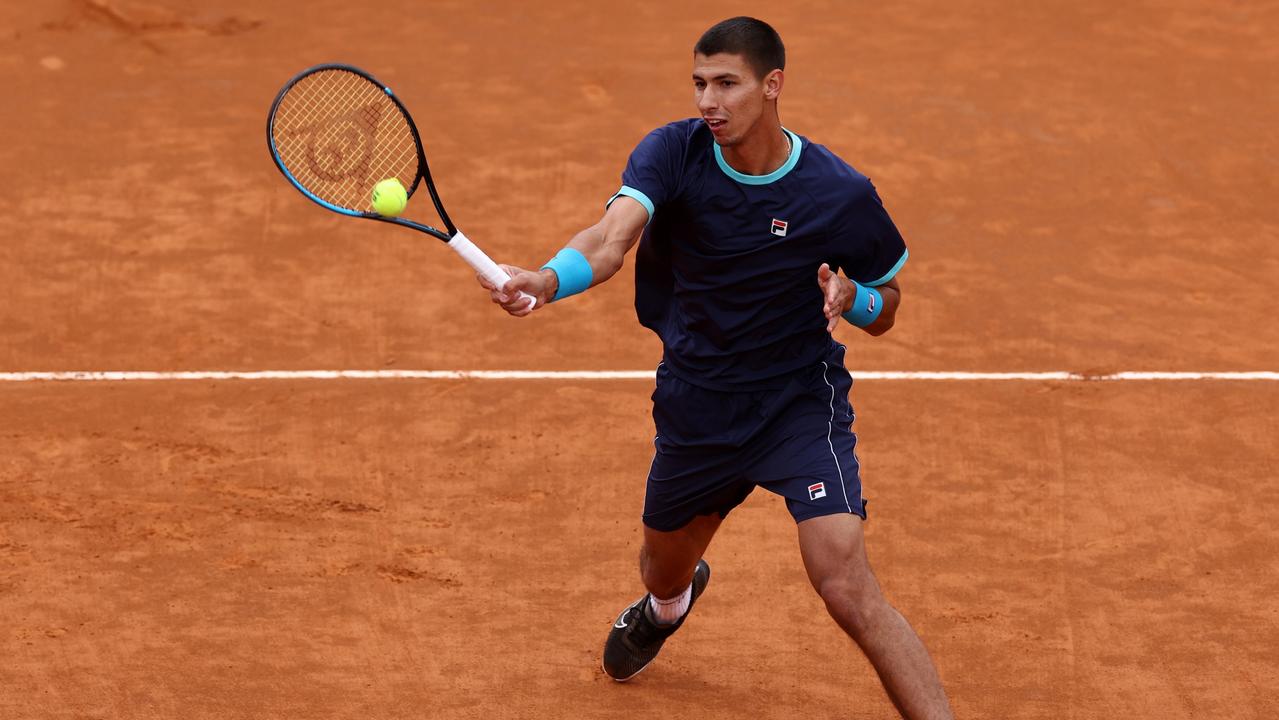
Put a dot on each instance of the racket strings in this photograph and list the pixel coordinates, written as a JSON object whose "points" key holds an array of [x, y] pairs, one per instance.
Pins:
{"points": [[339, 134]]}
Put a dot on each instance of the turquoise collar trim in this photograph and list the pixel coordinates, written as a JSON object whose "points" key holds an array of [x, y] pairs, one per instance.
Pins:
{"points": [[795, 147]]}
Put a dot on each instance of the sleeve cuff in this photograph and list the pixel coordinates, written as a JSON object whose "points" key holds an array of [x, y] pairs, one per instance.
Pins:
{"points": [[892, 272], [635, 195]]}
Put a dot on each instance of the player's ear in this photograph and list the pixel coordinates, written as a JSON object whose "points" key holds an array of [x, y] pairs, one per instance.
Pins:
{"points": [[773, 84]]}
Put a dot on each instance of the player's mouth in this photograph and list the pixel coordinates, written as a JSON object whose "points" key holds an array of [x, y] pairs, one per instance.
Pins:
{"points": [[715, 124]]}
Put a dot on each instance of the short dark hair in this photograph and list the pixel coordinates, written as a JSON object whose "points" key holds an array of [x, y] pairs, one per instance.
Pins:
{"points": [[753, 39]]}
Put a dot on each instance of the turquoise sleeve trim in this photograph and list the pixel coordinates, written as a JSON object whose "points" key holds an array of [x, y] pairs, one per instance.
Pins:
{"points": [[791, 161], [636, 195], [891, 273], [867, 305], [573, 271]]}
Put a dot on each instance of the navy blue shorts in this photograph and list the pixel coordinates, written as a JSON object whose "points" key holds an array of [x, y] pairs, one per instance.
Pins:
{"points": [[714, 447]]}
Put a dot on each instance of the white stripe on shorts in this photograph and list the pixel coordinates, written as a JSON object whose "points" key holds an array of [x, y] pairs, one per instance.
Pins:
{"points": [[830, 429]]}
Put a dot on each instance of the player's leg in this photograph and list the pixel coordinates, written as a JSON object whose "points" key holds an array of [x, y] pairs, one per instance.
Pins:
{"points": [[668, 559], [695, 480], [810, 460], [834, 551], [680, 519], [675, 575]]}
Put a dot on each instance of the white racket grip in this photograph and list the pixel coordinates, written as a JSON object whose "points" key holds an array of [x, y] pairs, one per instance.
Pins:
{"points": [[483, 264]]}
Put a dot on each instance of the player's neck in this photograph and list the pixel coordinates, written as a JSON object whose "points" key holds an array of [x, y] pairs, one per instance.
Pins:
{"points": [[764, 150]]}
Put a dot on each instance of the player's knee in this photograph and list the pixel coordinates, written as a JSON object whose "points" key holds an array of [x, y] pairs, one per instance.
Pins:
{"points": [[853, 604]]}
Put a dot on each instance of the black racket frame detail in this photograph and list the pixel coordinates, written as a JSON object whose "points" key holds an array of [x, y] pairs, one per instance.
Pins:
{"points": [[423, 169]]}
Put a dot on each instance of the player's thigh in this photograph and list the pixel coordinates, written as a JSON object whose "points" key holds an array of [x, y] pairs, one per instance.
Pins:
{"points": [[669, 558], [809, 453], [833, 548]]}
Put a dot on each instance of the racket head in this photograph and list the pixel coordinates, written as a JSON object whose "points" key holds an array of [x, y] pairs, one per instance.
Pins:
{"points": [[335, 131]]}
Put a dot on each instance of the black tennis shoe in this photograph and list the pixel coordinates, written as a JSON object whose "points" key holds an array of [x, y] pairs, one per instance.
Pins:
{"points": [[635, 638]]}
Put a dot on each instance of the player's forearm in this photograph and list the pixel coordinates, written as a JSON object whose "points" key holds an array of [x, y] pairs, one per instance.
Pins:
{"points": [[604, 257], [605, 254], [596, 253]]}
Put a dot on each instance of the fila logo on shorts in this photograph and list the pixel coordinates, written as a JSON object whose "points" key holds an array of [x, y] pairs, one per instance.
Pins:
{"points": [[817, 491], [779, 227]]}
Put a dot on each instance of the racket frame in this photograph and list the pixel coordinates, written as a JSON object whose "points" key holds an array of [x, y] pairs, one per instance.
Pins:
{"points": [[423, 169], [451, 236]]}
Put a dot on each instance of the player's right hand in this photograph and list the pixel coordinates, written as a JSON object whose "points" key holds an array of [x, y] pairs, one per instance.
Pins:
{"points": [[541, 285]]}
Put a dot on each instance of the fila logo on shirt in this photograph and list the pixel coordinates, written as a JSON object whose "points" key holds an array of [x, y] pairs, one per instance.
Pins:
{"points": [[817, 491], [779, 227]]}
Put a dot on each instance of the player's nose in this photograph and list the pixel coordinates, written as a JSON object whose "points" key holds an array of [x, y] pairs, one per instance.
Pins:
{"points": [[706, 101]]}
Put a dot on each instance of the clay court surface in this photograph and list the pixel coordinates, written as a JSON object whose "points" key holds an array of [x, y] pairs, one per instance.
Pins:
{"points": [[1084, 186]]}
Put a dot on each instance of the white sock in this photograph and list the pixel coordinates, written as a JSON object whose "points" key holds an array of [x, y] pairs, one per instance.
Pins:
{"points": [[668, 612]]}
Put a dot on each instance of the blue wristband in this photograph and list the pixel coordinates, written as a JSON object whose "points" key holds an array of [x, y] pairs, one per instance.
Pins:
{"points": [[573, 271], [867, 305]]}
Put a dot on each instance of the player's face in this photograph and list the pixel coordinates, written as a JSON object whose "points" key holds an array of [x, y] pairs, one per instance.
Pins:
{"points": [[730, 98]]}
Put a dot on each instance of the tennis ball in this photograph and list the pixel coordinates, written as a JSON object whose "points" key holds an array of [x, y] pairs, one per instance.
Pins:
{"points": [[389, 197]]}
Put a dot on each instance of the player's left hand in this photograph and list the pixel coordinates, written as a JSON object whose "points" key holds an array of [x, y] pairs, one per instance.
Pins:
{"points": [[839, 295]]}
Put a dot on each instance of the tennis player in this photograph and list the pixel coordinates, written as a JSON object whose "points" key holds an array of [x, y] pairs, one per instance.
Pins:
{"points": [[754, 242]]}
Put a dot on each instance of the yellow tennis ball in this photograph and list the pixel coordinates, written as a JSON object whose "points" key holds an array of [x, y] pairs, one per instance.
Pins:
{"points": [[389, 197]]}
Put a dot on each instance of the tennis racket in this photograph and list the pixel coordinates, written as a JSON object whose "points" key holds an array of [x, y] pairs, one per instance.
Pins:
{"points": [[334, 132]]}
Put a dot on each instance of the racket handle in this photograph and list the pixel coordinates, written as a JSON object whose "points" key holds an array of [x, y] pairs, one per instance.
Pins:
{"points": [[483, 264]]}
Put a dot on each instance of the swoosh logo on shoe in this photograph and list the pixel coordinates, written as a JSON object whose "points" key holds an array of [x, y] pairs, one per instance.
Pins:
{"points": [[621, 619], [620, 624]]}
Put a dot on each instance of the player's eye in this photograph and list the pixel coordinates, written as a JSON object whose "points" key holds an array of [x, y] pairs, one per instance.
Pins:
{"points": [[727, 83]]}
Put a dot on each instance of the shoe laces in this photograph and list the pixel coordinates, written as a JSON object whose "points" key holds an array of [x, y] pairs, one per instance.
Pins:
{"points": [[644, 630]]}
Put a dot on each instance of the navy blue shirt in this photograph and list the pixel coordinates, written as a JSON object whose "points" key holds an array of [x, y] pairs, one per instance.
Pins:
{"points": [[726, 271]]}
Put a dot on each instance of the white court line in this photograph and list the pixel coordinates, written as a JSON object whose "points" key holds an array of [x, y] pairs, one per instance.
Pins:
{"points": [[135, 376]]}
